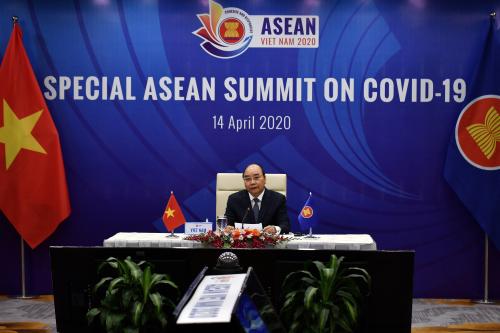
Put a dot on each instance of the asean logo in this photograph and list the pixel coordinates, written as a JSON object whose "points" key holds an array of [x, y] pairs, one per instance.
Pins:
{"points": [[226, 32], [477, 132], [307, 212]]}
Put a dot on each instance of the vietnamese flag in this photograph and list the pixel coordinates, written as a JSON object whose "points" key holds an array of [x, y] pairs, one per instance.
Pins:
{"points": [[173, 217], [33, 190]]}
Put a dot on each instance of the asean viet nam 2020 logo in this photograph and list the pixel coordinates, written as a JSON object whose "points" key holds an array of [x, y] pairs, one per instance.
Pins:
{"points": [[228, 32], [477, 132]]}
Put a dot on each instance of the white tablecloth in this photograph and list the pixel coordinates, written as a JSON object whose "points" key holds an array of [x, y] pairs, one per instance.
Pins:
{"points": [[322, 242]]}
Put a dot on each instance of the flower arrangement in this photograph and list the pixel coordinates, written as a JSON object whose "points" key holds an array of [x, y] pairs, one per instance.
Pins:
{"points": [[238, 238]]}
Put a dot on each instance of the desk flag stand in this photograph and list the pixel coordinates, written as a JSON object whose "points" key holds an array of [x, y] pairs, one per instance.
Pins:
{"points": [[310, 235], [172, 234]]}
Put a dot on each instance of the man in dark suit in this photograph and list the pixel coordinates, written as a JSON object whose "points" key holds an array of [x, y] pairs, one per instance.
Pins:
{"points": [[256, 204]]}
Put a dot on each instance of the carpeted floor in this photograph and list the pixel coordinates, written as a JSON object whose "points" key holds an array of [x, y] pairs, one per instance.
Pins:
{"points": [[435, 315], [27, 315], [429, 316]]}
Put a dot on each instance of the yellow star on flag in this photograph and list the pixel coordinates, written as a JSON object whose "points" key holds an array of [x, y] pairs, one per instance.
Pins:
{"points": [[16, 134], [170, 212]]}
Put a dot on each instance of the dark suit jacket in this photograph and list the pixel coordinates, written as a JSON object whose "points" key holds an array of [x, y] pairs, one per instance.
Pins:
{"points": [[272, 210]]}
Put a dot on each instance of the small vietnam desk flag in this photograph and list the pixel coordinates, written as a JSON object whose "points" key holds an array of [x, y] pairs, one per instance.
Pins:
{"points": [[173, 217]]}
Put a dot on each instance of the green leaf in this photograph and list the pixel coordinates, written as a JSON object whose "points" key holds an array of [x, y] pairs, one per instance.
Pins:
{"points": [[327, 276], [157, 278], [364, 278], [168, 282], [157, 301], [146, 283], [293, 301], [111, 261], [101, 283], [296, 327], [134, 269], [309, 281], [114, 321], [346, 326], [319, 265], [309, 296], [113, 284], [294, 276], [323, 319], [162, 319], [169, 304], [352, 312], [299, 313], [137, 313], [91, 314], [291, 296]]}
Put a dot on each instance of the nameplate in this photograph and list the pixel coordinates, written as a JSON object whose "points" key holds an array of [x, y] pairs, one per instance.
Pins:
{"points": [[191, 228], [213, 300], [257, 226]]}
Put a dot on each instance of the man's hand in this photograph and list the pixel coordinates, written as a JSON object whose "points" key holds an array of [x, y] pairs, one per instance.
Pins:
{"points": [[270, 229]]}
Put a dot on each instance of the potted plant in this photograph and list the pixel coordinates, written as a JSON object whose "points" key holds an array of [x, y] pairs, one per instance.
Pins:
{"points": [[324, 298], [132, 299]]}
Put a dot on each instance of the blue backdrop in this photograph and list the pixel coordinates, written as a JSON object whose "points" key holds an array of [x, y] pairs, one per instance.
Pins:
{"points": [[124, 81]]}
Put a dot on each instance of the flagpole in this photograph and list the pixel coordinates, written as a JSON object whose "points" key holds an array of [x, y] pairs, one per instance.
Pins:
{"points": [[15, 19], [485, 299], [23, 275], [172, 235], [310, 235]]}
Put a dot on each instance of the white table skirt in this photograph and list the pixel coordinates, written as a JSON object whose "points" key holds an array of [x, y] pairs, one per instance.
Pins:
{"points": [[323, 242]]}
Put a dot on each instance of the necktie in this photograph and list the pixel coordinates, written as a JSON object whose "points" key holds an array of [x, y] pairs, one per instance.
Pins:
{"points": [[255, 209]]}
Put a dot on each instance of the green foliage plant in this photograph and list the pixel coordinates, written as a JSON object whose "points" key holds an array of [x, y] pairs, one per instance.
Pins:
{"points": [[133, 299], [324, 298]]}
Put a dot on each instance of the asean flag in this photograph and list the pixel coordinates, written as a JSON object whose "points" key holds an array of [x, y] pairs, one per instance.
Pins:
{"points": [[173, 217], [307, 216], [33, 190], [473, 160]]}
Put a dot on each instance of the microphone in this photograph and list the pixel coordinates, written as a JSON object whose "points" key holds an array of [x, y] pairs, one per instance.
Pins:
{"points": [[245, 215]]}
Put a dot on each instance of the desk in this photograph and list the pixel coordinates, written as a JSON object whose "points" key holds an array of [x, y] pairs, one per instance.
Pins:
{"points": [[323, 242], [388, 309]]}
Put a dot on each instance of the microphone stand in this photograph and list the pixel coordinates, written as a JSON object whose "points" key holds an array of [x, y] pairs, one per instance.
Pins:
{"points": [[244, 216]]}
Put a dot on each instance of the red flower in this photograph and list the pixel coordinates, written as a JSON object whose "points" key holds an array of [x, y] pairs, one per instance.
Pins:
{"points": [[218, 243], [251, 238]]}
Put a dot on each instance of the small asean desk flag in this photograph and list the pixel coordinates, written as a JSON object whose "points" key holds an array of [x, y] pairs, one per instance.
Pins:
{"points": [[173, 217], [307, 216], [33, 190]]}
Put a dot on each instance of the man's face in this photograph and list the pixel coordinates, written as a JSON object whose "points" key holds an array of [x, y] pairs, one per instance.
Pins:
{"points": [[254, 180]]}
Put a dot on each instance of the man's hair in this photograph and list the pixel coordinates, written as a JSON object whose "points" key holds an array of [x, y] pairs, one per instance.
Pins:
{"points": [[257, 164]]}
